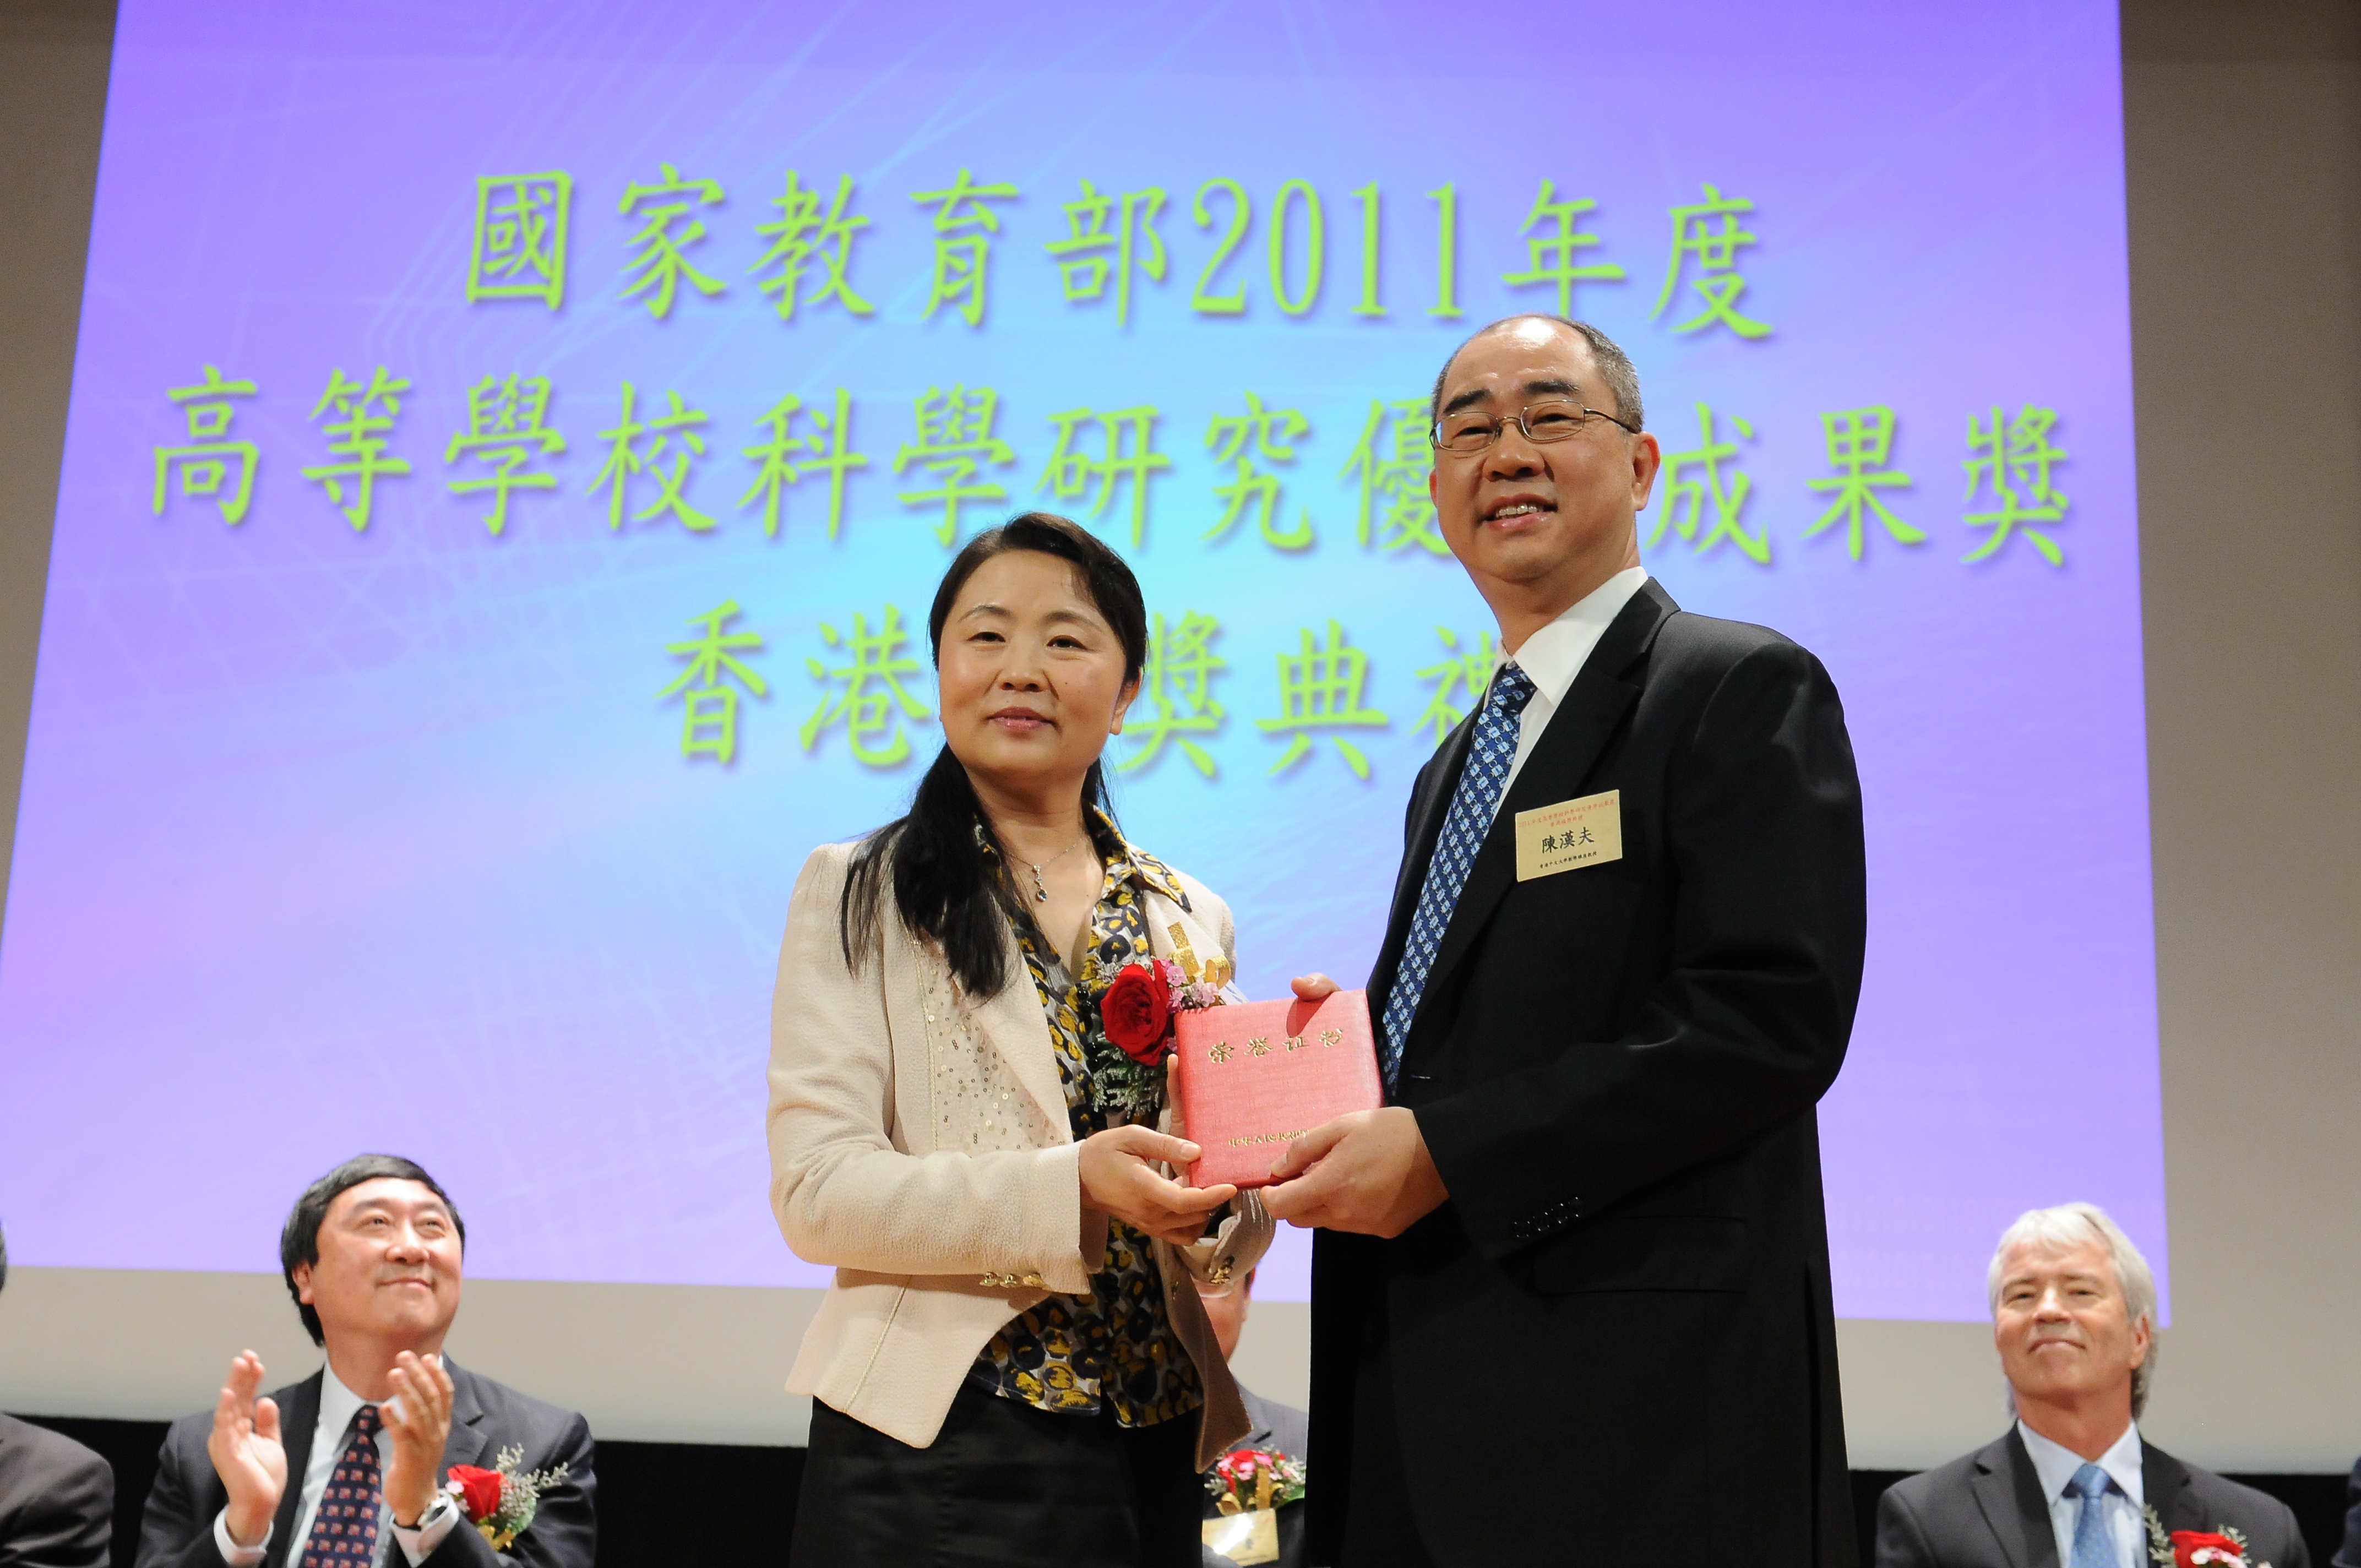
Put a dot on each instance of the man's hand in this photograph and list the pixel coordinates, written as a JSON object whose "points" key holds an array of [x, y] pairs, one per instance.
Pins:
{"points": [[246, 1452], [1118, 1180], [1313, 986], [1367, 1172], [419, 1416]]}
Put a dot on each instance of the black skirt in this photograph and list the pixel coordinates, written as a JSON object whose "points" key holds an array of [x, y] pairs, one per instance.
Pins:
{"points": [[1004, 1483]]}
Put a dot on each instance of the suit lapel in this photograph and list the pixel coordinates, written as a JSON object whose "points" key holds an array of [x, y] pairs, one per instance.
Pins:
{"points": [[1427, 826], [1593, 706], [467, 1442], [299, 1412], [1012, 1021], [1260, 1436], [2009, 1492], [2169, 1490], [1428, 809]]}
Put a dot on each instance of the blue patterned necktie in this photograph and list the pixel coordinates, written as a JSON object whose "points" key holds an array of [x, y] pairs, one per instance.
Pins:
{"points": [[343, 1528], [2092, 1546], [1472, 809]]}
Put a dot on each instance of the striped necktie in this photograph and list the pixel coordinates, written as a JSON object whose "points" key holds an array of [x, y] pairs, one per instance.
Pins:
{"points": [[1473, 805]]}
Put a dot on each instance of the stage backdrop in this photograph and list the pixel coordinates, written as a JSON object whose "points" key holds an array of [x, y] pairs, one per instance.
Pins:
{"points": [[513, 449]]}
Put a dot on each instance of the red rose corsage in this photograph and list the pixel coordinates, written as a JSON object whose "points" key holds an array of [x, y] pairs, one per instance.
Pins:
{"points": [[2204, 1549], [2223, 1547], [500, 1502], [1137, 1005], [1136, 1011]]}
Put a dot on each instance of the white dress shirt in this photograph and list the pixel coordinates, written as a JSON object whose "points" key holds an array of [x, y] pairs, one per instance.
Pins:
{"points": [[338, 1405], [2124, 1500], [1554, 655]]}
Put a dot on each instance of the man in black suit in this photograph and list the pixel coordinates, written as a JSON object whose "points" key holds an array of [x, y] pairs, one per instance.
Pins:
{"points": [[57, 1497], [349, 1464], [1571, 1295], [2072, 1484]]}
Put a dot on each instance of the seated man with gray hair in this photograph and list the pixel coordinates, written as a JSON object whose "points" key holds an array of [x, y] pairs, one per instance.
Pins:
{"points": [[2072, 1485]]}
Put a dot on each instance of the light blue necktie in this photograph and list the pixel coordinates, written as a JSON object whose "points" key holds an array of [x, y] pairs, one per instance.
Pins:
{"points": [[1472, 808], [2093, 1546]]}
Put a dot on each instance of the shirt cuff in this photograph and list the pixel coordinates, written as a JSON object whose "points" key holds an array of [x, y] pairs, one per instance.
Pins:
{"points": [[418, 1541], [234, 1554]]}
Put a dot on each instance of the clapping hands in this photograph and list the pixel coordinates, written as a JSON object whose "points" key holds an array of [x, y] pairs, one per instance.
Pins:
{"points": [[418, 1416], [247, 1450]]}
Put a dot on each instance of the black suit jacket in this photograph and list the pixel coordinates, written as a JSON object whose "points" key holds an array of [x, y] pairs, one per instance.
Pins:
{"points": [[2349, 1554], [1621, 1317], [177, 1531], [56, 1500], [1987, 1511], [1288, 1430]]}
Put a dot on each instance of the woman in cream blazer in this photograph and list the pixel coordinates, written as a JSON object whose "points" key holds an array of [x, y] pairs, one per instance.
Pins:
{"points": [[1012, 1365]]}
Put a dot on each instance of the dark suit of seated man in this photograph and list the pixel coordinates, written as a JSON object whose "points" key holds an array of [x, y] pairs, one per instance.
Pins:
{"points": [[318, 1474], [57, 1497], [1276, 1426], [2349, 1554], [2072, 1485]]}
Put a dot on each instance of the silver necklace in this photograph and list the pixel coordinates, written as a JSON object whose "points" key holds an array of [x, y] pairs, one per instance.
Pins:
{"points": [[1040, 888]]}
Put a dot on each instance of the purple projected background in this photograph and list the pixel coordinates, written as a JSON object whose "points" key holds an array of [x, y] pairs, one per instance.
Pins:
{"points": [[339, 838]]}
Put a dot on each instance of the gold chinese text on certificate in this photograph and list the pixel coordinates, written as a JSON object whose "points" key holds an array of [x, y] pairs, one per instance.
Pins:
{"points": [[1585, 832]]}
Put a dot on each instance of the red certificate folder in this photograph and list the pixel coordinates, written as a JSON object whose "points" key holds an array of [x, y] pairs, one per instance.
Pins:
{"points": [[1254, 1076]]}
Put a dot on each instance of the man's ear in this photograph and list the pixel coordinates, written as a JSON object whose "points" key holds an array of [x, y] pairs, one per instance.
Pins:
{"points": [[2143, 1341], [303, 1278], [1647, 457]]}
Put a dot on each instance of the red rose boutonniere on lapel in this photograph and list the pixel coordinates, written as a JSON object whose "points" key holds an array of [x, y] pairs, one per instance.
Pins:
{"points": [[478, 1491], [500, 1502], [2225, 1548]]}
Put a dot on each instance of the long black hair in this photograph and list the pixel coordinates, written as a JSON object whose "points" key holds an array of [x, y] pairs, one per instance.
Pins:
{"points": [[943, 885]]}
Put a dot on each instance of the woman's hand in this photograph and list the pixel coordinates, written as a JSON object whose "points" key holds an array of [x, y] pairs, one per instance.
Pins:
{"points": [[1313, 986], [1118, 1180]]}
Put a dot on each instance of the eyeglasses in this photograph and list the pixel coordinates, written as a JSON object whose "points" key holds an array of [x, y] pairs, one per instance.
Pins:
{"points": [[1470, 430]]}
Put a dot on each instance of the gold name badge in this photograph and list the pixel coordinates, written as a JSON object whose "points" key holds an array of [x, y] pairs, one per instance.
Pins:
{"points": [[1572, 833]]}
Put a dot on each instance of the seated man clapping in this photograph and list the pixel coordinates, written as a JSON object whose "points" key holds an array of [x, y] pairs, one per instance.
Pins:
{"points": [[322, 1472]]}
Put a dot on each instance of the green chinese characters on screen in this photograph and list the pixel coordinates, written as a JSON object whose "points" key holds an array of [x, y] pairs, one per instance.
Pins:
{"points": [[1102, 465], [863, 691], [709, 682]]}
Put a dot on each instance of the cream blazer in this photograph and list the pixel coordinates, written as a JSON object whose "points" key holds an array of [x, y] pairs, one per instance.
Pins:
{"points": [[919, 1144]]}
